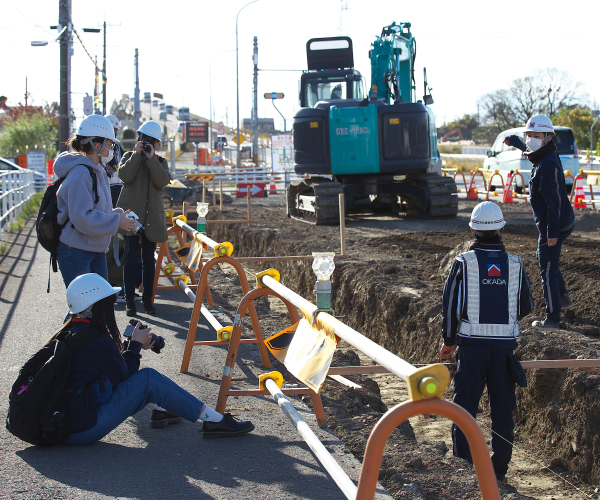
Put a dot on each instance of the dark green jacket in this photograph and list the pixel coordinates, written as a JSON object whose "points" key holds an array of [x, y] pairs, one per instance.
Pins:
{"points": [[142, 193]]}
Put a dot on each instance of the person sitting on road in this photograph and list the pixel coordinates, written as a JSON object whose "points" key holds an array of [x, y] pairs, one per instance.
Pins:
{"points": [[552, 212], [144, 175], [486, 293], [120, 389], [89, 217]]}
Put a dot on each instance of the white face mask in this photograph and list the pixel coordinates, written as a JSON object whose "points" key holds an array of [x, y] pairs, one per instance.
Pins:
{"points": [[533, 143], [106, 159]]}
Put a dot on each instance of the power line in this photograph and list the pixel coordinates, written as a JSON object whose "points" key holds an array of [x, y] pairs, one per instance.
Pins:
{"points": [[86, 51]]}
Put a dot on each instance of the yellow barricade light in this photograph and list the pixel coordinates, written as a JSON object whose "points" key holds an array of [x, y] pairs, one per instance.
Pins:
{"points": [[224, 334], [458, 190], [428, 382], [495, 193], [224, 249], [169, 213], [169, 268], [496, 171], [274, 376]]}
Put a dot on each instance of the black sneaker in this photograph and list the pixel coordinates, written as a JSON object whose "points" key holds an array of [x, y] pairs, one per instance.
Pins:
{"points": [[227, 427], [148, 305], [130, 309], [546, 324], [566, 303], [161, 418]]}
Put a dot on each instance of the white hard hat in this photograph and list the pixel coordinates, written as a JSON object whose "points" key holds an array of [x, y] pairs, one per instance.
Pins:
{"points": [[86, 290], [151, 129], [487, 216], [539, 123], [97, 126], [114, 120]]}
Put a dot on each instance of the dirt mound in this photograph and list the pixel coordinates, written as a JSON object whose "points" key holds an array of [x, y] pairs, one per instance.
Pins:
{"points": [[390, 290]]}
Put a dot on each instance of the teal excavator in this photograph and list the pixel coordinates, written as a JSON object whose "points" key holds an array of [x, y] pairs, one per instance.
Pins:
{"points": [[379, 147]]}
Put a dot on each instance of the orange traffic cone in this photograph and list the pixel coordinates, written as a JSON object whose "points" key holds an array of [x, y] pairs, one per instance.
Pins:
{"points": [[472, 193], [272, 188], [508, 194], [579, 194]]}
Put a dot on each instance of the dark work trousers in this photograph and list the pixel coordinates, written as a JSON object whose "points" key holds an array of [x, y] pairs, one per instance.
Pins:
{"points": [[478, 366], [115, 191], [553, 284], [148, 266]]}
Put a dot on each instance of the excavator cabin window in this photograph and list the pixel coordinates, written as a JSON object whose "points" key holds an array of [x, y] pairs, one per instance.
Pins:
{"points": [[324, 89]]}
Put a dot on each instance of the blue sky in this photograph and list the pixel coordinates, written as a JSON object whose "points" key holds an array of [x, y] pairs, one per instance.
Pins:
{"points": [[470, 48]]}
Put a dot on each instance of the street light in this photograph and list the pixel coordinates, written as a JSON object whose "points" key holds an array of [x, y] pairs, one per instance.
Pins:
{"points": [[237, 80]]}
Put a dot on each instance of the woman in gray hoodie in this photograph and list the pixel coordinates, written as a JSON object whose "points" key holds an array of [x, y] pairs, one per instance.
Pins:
{"points": [[89, 218]]}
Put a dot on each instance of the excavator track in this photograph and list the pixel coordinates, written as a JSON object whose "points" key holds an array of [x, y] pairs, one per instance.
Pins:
{"points": [[438, 198], [314, 201]]}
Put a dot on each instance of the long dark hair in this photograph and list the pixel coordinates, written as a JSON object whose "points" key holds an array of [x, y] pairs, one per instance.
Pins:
{"points": [[103, 319]]}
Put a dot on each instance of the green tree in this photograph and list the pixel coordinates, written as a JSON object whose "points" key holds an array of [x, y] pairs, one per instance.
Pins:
{"points": [[29, 130], [578, 119]]}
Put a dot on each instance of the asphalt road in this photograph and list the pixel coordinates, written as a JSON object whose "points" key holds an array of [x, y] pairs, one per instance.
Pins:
{"points": [[136, 461]]}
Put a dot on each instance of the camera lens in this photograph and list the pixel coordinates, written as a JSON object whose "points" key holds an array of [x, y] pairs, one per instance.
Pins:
{"points": [[159, 343], [147, 148]]}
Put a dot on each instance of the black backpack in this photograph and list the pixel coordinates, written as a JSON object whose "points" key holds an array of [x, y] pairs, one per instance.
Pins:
{"points": [[37, 410], [47, 227]]}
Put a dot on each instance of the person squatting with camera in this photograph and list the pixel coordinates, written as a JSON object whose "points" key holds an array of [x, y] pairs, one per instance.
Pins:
{"points": [[144, 175], [84, 202], [119, 387]]}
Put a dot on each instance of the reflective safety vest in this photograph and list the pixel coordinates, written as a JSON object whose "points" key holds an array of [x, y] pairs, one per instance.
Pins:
{"points": [[490, 294]]}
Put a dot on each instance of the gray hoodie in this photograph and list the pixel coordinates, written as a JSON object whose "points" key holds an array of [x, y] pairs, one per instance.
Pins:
{"points": [[90, 225]]}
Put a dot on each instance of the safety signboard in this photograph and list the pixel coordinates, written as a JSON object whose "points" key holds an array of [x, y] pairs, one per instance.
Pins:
{"points": [[257, 190]]}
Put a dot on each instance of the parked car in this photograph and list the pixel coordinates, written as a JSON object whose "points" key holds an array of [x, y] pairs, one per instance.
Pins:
{"points": [[169, 109], [155, 103], [506, 159], [161, 106], [38, 177], [147, 97]]}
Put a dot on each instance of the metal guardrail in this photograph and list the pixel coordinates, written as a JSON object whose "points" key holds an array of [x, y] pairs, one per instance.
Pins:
{"points": [[15, 189]]}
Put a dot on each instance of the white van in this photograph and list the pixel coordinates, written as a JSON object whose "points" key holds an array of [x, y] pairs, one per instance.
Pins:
{"points": [[507, 159]]}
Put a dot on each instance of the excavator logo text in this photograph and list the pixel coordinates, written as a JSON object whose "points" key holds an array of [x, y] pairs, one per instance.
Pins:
{"points": [[352, 131]]}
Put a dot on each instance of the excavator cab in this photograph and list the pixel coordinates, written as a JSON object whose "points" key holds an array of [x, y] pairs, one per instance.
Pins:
{"points": [[331, 74]]}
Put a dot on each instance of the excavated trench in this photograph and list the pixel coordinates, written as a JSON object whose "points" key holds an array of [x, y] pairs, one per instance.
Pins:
{"points": [[389, 288]]}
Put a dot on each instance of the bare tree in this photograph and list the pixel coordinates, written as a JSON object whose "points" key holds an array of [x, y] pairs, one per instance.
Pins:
{"points": [[547, 92]]}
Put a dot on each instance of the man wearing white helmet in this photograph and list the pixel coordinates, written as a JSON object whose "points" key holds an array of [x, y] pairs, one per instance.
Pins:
{"points": [[84, 202], [144, 175], [486, 293], [552, 212], [113, 165]]}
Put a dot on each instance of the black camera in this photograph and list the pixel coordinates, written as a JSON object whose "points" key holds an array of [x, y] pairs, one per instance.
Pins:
{"points": [[148, 147], [159, 342]]}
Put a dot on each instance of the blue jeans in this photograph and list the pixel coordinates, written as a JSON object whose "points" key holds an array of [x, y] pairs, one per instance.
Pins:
{"points": [[553, 284], [74, 262], [478, 366], [131, 395], [148, 266]]}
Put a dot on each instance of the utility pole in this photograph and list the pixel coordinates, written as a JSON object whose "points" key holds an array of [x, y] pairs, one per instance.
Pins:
{"points": [[26, 93], [65, 29], [255, 108], [96, 96], [104, 75], [136, 93]]}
